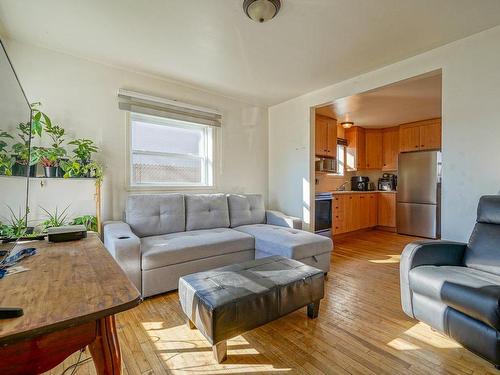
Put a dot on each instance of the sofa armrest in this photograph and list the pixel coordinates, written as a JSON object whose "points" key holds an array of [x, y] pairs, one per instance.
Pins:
{"points": [[282, 220], [125, 247], [425, 253]]}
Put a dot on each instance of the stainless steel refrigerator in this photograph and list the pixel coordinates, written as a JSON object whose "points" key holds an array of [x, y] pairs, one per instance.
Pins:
{"points": [[418, 208]]}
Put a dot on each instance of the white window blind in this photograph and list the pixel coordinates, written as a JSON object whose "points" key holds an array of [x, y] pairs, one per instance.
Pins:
{"points": [[150, 105]]}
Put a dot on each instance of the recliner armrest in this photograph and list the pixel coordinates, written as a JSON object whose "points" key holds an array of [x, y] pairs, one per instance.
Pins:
{"points": [[426, 252], [125, 247], [282, 220]]}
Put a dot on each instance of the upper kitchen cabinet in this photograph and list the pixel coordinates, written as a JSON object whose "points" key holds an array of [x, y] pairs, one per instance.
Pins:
{"points": [[373, 142], [326, 136], [421, 135], [390, 148], [356, 150], [430, 135]]}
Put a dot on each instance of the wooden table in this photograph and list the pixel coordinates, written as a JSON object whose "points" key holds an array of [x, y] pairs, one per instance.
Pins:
{"points": [[69, 297]]}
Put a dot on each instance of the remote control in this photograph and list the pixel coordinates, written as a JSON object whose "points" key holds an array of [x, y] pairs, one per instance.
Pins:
{"points": [[10, 312]]}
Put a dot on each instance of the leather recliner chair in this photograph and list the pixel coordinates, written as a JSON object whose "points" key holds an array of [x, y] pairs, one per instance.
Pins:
{"points": [[455, 287]]}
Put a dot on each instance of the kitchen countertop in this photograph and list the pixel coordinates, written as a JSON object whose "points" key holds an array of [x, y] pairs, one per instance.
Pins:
{"points": [[336, 192]]}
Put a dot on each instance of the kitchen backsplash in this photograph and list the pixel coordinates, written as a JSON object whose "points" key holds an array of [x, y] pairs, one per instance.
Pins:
{"points": [[329, 182]]}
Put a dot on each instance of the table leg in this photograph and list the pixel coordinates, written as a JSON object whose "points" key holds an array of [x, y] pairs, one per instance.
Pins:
{"points": [[220, 351], [105, 349], [313, 310]]}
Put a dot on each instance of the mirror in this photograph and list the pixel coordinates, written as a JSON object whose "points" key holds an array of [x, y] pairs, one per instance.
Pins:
{"points": [[15, 137]]}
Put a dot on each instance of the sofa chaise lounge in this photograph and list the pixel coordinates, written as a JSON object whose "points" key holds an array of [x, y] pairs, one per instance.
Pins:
{"points": [[168, 236], [455, 287]]}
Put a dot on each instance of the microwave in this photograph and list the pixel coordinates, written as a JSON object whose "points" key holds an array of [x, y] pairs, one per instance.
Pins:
{"points": [[328, 165]]}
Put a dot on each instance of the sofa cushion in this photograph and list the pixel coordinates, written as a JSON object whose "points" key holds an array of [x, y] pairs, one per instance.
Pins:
{"points": [[287, 242], [153, 214], [488, 209], [429, 280], [206, 211], [483, 249], [470, 291], [174, 248], [479, 303], [246, 209]]}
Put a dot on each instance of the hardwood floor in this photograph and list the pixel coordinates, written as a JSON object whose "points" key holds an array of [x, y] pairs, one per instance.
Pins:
{"points": [[361, 329]]}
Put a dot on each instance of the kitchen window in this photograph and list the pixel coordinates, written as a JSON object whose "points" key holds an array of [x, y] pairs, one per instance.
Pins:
{"points": [[167, 152], [341, 151]]}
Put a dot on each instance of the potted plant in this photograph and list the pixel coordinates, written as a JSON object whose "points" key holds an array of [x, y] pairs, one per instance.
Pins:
{"points": [[21, 152], [82, 165], [6, 161], [55, 219], [17, 226], [90, 222], [84, 150], [49, 158], [56, 153]]}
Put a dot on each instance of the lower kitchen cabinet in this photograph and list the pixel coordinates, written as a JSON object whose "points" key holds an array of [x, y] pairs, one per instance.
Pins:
{"points": [[387, 210], [354, 211]]}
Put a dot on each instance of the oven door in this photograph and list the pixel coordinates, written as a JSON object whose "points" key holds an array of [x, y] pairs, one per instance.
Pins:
{"points": [[323, 216]]}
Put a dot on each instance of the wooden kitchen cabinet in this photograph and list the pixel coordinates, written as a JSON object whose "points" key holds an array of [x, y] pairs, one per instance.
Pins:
{"points": [[373, 210], [338, 214], [390, 148], [351, 212], [373, 145], [326, 137], [321, 136], [387, 209], [356, 149], [430, 135], [363, 211], [420, 136], [409, 138]]}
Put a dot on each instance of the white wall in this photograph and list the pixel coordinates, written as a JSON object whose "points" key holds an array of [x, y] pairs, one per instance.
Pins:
{"points": [[81, 95], [471, 129]]}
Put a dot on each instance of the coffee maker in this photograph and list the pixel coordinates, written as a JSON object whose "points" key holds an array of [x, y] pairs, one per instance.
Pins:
{"points": [[388, 182], [359, 183]]}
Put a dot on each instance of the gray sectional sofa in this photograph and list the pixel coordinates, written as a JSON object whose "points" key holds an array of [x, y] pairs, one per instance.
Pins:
{"points": [[168, 236]]}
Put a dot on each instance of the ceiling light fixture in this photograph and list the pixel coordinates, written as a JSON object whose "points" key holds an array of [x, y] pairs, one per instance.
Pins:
{"points": [[347, 124], [261, 10]]}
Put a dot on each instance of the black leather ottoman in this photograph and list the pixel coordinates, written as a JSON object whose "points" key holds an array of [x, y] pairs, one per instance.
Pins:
{"points": [[227, 301]]}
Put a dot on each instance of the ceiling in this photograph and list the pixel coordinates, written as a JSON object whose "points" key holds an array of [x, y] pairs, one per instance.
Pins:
{"points": [[414, 99], [213, 45]]}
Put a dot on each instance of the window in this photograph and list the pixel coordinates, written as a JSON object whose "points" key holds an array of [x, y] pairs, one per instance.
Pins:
{"points": [[171, 153], [341, 151]]}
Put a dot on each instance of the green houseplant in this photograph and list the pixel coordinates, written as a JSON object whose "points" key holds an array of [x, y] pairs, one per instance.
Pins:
{"points": [[17, 226], [56, 219], [21, 152], [84, 150], [82, 165], [6, 161], [48, 157], [90, 222]]}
